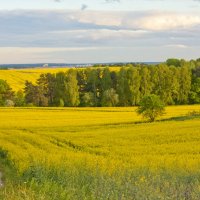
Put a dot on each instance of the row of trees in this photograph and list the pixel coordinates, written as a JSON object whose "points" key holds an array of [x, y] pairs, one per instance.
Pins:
{"points": [[175, 82]]}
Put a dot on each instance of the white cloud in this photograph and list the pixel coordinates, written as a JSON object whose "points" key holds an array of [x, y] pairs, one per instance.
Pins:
{"points": [[59, 32], [168, 21], [182, 46]]}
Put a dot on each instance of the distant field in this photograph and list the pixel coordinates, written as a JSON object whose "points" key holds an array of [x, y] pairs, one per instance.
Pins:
{"points": [[101, 153], [17, 77]]}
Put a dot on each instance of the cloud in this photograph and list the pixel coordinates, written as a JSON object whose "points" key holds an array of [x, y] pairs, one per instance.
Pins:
{"points": [[112, 1], [84, 7], [77, 29], [182, 46]]}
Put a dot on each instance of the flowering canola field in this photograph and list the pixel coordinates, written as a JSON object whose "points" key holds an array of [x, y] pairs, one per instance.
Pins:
{"points": [[16, 77], [100, 153]]}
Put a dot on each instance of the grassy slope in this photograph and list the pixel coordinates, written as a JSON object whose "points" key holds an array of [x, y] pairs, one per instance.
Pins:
{"points": [[85, 153]]}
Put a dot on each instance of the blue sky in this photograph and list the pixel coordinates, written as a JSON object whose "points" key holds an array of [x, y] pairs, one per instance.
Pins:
{"points": [[98, 30]]}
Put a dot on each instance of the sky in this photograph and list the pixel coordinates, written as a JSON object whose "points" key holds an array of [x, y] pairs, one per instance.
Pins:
{"points": [[92, 31]]}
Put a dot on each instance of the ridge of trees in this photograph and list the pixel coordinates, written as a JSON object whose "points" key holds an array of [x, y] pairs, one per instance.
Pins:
{"points": [[175, 82]]}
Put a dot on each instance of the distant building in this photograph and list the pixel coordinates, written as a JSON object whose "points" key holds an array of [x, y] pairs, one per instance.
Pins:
{"points": [[46, 65]]}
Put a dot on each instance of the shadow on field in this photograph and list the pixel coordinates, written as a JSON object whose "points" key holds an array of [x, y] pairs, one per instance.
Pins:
{"points": [[189, 116]]}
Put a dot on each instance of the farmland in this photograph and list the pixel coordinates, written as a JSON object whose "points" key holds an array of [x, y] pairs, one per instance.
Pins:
{"points": [[99, 153], [17, 77]]}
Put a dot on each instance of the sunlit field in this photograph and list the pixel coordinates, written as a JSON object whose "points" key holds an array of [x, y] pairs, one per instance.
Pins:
{"points": [[17, 77], [99, 153]]}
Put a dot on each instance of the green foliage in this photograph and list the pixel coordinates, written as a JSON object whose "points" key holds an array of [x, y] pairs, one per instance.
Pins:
{"points": [[61, 103], [34, 95], [110, 98], [19, 99], [72, 89], [151, 107], [9, 103], [173, 62], [134, 82], [88, 99], [6, 92], [123, 87], [175, 82]]}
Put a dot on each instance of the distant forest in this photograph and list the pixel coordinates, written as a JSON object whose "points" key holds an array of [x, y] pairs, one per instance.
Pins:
{"points": [[176, 82]]}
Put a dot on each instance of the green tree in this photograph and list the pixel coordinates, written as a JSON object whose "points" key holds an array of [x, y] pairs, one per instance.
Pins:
{"points": [[60, 88], [72, 89], [93, 84], [34, 95], [47, 86], [6, 92], [146, 84], [151, 107], [110, 98], [88, 99], [194, 95], [19, 99], [123, 87], [134, 78], [163, 83], [106, 81], [173, 62], [184, 84]]}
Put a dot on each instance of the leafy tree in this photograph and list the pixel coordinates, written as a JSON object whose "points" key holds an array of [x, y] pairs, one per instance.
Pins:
{"points": [[163, 85], [19, 99], [72, 89], [34, 95], [151, 107], [123, 87], [106, 81], [6, 92], [110, 98], [93, 84], [133, 78], [9, 103], [47, 86], [194, 94], [184, 84], [60, 88], [173, 62], [61, 103], [88, 99], [145, 84]]}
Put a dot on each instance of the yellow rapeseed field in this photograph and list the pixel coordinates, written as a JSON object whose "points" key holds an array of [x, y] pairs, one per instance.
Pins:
{"points": [[17, 77], [112, 140]]}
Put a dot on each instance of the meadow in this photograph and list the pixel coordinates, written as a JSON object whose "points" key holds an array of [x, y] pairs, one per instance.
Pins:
{"points": [[99, 153]]}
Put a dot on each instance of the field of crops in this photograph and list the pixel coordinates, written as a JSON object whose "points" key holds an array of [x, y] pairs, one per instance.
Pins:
{"points": [[17, 77], [99, 153]]}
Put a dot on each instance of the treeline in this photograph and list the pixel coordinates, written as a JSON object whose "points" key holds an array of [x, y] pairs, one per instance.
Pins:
{"points": [[176, 82]]}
